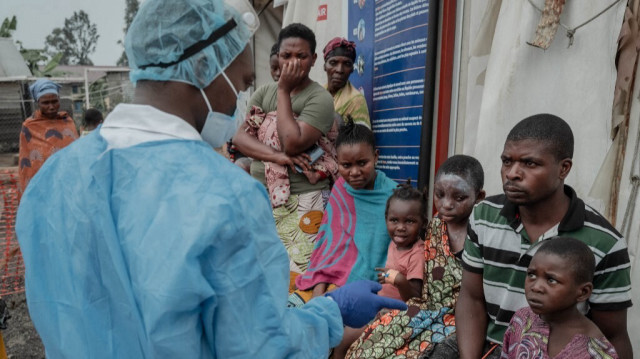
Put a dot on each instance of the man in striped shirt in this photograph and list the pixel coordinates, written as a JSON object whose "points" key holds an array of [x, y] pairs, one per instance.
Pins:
{"points": [[507, 229]]}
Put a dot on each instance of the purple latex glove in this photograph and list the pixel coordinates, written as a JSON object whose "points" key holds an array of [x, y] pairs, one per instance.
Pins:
{"points": [[359, 303]]}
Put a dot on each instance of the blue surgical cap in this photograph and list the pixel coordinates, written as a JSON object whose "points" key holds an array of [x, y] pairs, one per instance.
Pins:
{"points": [[43, 87], [163, 29]]}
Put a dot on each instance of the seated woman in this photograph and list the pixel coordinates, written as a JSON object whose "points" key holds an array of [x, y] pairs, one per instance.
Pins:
{"points": [[353, 238], [430, 319], [339, 56], [304, 114]]}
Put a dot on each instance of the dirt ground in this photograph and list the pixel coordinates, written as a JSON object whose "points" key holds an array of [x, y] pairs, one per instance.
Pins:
{"points": [[20, 338]]}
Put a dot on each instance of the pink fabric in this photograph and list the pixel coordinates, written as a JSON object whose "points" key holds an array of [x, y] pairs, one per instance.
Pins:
{"points": [[353, 237], [528, 337], [408, 262], [336, 252], [264, 128]]}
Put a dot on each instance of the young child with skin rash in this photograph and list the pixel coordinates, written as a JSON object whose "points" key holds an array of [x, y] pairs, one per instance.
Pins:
{"points": [[559, 278], [458, 187]]}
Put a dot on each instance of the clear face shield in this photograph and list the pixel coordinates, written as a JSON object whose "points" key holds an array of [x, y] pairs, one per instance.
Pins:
{"points": [[250, 19], [240, 15], [247, 13], [218, 127]]}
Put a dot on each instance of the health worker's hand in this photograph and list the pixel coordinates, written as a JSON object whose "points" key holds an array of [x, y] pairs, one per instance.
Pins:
{"points": [[359, 303]]}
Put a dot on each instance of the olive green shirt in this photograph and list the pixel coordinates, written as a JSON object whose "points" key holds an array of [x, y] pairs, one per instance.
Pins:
{"points": [[313, 106]]}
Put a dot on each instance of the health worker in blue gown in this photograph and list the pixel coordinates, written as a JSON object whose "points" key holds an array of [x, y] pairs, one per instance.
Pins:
{"points": [[140, 241]]}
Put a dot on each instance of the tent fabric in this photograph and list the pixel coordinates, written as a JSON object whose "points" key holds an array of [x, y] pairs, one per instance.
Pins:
{"points": [[264, 38], [306, 12], [632, 234], [627, 58], [522, 80], [627, 200]]}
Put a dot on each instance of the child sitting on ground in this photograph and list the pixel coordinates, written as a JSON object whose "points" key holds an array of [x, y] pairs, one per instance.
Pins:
{"points": [[559, 279]]}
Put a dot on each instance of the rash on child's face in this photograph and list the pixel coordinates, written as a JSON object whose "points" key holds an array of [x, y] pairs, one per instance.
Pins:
{"points": [[454, 198]]}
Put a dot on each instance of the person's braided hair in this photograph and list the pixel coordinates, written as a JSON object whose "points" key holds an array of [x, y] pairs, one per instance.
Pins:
{"points": [[352, 133]]}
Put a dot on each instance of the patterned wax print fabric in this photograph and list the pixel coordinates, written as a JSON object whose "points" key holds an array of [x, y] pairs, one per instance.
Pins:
{"points": [[263, 126], [528, 336], [41, 137], [297, 223], [429, 319], [353, 237], [349, 101], [409, 262]]}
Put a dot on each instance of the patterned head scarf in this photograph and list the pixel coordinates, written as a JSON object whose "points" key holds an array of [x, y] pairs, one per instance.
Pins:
{"points": [[43, 87], [339, 46]]}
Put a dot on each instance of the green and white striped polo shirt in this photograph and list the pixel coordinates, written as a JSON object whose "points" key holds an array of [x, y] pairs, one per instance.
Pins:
{"points": [[498, 248]]}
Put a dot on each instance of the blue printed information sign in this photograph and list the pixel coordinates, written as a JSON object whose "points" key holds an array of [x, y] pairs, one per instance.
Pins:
{"points": [[391, 40]]}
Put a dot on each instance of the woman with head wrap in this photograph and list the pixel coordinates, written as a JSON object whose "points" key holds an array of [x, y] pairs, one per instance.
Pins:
{"points": [[339, 57], [299, 118], [45, 132]]}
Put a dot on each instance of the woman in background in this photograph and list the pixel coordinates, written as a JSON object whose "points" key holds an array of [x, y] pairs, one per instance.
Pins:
{"points": [[339, 56], [47, 131]]}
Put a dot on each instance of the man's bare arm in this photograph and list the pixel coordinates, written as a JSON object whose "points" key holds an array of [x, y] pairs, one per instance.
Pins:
{"points": [[613, 325], [471, 316]]}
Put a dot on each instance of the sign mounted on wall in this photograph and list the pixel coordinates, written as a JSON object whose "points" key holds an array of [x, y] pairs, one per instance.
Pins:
{"points": [[393, 71]]}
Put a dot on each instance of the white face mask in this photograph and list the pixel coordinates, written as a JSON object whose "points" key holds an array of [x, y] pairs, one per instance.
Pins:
{"points": [[219, 127]]}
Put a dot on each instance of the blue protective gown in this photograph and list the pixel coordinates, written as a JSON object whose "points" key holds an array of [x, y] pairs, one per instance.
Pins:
{"points": [[160, 250]]}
